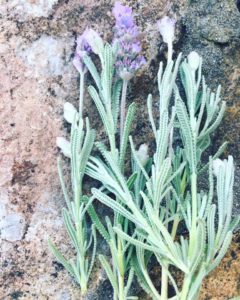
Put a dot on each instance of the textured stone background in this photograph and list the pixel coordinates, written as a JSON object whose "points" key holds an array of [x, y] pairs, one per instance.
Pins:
{"points": [[37, 77]]}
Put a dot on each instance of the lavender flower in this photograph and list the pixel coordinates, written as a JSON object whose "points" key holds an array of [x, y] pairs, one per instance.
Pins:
{"points": [[82, 49], [94, 41], [126, 36], [123, 14]]}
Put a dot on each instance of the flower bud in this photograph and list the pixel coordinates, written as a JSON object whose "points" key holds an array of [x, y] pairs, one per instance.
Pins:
{"points": [[142, 154], [194, 60], [94, 40], [166, 27], [64, 145], [78, 63], [70, 112], [125, 75]]}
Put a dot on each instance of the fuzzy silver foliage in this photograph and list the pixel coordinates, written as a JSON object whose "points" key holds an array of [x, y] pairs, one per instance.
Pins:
{"points": [[161, 193]]}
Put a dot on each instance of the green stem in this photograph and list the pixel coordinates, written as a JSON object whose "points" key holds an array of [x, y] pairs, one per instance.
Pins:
{"points": [[170, 52], [121, 295], [185, 289], [193, 230], [83, 288], [194, 198], [123, 108], [164, 284], [81, 257], [81, 95], [164, 280], [113, 145], [175, 226], [121, 272]]}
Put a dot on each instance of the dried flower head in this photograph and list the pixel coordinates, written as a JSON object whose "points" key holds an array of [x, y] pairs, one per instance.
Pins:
{"points": [[126, 36]]}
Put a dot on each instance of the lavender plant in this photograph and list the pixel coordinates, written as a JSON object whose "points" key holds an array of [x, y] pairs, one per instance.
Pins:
{"points": [[129, 57], [78, 150], [162, 194], [124, 55]]}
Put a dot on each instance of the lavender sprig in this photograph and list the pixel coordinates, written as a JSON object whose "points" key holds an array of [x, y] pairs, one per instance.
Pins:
{"points": [[83, 48], [126, 36], [129, 58]]}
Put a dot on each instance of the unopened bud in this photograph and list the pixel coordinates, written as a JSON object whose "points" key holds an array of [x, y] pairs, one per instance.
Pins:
{"points": [[94, 40], [142, 154], [166, 27], [64, 145], [194, 60], [70, 112]]}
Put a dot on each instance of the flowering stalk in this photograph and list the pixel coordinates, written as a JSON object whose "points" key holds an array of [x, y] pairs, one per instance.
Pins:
{"points": [[78, 150], [81, 94], [83, 48], [128, 56], [123, 107], [106, 97]]}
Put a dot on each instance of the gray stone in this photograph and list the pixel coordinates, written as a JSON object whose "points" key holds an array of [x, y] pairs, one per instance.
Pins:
{"points": [[46, 56]]}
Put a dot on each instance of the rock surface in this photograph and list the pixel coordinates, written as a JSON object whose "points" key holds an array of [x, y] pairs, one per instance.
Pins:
{"points": [[37, 78], [30, 8], [12, 227]]}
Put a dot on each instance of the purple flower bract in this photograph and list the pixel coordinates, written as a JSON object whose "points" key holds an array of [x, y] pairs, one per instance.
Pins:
{"points": [[126, 36], [82, 49]]}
